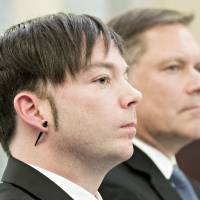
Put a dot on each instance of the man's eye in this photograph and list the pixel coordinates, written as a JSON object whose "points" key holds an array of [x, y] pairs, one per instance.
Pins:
{"points": [[103, 80], [173, 68]]}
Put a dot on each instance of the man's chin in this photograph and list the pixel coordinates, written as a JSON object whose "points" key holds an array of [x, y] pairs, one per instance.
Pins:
{"points": [[125, 154]]}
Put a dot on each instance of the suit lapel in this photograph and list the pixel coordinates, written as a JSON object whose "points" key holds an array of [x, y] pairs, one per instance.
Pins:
{"points": [[32, 181], [163, 186], [142, 163]]}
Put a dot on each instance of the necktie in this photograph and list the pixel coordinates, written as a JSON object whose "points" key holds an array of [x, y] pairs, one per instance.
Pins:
{"points": [[182, 185]]}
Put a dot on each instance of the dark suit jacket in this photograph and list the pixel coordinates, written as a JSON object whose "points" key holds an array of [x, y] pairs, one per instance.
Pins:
{"points": [[138, 179], [22, 182]]}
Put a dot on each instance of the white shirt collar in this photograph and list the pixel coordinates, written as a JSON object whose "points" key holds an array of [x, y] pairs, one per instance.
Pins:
{"points": [[73, 190], [164, 164]]}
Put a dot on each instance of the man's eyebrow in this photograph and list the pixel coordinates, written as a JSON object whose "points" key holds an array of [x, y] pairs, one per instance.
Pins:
{"points": [[106, 65], [180, 60]]}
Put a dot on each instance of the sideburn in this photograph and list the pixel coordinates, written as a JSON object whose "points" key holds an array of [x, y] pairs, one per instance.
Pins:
{"points": [[54, 111]]}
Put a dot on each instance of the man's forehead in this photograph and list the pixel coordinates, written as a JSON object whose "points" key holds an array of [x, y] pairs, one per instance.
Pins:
{"points": [[169, 32], [111, 66], [173, 37]]}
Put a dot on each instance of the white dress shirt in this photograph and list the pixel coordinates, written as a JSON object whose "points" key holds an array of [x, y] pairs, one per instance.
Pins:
{"points": [[164, 164], [75, 191]]}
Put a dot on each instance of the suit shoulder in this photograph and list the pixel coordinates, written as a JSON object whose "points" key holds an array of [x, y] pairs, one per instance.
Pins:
{"points": [[11, 192]]}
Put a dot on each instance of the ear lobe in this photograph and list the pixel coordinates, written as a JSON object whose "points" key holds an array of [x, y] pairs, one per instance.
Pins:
{"points": [[26, 107]]}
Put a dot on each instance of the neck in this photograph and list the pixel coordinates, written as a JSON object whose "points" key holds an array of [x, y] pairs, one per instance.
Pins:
{"points": [[169, 146], [88, 175]]}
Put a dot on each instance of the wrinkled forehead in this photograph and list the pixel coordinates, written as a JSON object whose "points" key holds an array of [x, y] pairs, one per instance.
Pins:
{"points": [[172, 40], [170, 35]]}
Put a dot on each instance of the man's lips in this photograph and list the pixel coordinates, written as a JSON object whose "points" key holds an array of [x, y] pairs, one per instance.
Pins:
{"points": [[190, 108], [130, 129], [129, 125]]}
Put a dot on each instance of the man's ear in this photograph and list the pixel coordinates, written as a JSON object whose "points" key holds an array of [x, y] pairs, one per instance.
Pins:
{"points": [[26, 107]]}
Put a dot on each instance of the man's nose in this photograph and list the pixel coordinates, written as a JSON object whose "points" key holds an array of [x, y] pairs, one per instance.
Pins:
{"points": [[193, 85], [130, 96]]}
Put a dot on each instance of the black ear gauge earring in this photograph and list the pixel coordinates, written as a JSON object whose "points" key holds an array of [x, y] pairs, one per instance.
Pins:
{"points": [[44, 124]]}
